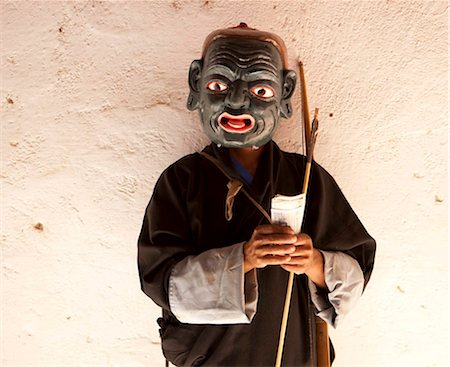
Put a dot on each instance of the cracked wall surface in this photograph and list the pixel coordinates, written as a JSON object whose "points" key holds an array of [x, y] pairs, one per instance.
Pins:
{"points": [[92, 103]]}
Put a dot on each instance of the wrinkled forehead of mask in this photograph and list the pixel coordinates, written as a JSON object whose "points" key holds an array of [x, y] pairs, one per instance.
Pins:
{"points": [[245, 33], [243, 58]]}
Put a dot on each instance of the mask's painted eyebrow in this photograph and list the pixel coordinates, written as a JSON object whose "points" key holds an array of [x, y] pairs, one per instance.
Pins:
{"points": [[262, 75], [220, 70]]}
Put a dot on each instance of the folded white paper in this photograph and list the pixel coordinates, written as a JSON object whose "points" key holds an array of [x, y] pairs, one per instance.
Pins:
{"points": [[288, 210]]}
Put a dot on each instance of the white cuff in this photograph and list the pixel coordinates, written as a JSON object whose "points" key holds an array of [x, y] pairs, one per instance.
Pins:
{"points": [[210, 288], [345, 282]]}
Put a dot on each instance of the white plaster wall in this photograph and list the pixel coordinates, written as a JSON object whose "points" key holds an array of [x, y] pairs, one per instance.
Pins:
{"points": [[93, 109]]}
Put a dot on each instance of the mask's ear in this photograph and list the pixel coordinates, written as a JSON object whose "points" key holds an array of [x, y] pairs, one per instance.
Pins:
{"points": [[195, 72], [290, 79]]}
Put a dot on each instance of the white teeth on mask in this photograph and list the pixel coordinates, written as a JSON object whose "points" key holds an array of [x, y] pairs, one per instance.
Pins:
{"points": [[254, 147], [219, 145]]}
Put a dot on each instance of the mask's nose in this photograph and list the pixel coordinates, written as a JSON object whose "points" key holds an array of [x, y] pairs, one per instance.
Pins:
{"points": [[237, 97]]}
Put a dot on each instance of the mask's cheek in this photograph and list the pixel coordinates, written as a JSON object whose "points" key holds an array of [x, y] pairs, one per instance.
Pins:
{"points": [[270, 114], [213, 100], [211, 106], [209, 117], [261, 105]]}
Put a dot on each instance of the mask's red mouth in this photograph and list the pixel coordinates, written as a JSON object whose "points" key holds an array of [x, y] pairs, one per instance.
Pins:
{"points": [[239, 124]]}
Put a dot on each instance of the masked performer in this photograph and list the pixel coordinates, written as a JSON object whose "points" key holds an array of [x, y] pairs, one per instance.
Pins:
{"points": [[206, 253]]}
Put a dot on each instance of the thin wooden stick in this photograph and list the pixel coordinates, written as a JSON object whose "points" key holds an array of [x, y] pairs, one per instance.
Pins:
{"points": [[312, 142], [322, 341], [287, 301], [305, 107]]}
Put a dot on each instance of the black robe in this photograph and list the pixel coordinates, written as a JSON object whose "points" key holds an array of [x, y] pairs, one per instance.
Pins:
{"points": [[186, 216]]}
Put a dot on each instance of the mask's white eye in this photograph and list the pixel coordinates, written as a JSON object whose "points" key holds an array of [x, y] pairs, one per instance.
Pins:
{"points": [[263, 91], [216, 86]]}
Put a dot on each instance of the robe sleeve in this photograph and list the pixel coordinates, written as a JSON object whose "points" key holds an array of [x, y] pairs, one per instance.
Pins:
{"points": [[165, 236], [197, 287], [211, 288], [345, 283], [349, 251], [333, 225]]}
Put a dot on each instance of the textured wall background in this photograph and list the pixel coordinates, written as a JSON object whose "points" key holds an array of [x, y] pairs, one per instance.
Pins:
{"points": [[93, 109]]}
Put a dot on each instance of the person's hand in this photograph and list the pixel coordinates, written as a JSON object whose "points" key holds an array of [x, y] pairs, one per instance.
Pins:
{"points": [[302, 258], [270, 244], [306, 260]]}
